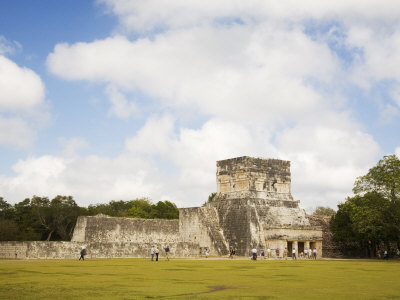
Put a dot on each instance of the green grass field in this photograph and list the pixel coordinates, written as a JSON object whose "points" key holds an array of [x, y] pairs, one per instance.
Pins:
{"points": [[192, 279]]}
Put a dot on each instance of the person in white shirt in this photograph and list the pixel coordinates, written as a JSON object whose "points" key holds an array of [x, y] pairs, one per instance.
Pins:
{"points": [[294, 253], [157, 252], [305, 253], [152, 253], [254, 251], [207, 253]]}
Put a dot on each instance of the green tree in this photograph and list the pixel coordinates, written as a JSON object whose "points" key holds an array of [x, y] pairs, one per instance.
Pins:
{"points": [[384, 178], [64, 212], [6, 210], [29, 228], [8, 227], [324, 211]]}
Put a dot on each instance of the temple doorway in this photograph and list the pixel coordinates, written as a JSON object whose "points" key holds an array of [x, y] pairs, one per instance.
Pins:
{"points": [[301, 248]]}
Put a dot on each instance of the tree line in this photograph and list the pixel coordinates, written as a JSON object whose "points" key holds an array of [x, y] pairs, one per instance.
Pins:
{"points": [[370, 220], [42, 219]]}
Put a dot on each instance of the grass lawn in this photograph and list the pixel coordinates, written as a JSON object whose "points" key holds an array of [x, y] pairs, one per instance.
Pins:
{"points": [[189, 279]]}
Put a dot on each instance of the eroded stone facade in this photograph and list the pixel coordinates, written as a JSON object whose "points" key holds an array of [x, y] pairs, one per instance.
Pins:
{"points": [[253, 208]]}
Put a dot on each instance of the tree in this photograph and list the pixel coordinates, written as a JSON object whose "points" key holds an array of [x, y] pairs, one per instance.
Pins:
{"points": [[8, 227], [384, 178], [365, 219], [372, 216], [324, 211], [64, 212], [6, 210]]}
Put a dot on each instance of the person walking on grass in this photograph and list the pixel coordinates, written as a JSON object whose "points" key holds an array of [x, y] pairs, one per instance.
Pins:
{"points": [[167, 252], [156, 251], [152, 253], [83, 253], [254, 251]]}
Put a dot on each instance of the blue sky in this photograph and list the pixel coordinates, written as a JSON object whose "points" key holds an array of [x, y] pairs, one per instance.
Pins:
{"points": [[112, 99]]}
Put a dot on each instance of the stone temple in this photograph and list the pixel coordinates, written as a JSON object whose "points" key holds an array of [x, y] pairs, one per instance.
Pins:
{"points": [[253, 207]]}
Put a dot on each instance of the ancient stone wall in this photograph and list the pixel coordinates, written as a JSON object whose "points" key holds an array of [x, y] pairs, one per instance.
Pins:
{"points": [[200, 225], [253, 178], [39, 249], [126, 230]]}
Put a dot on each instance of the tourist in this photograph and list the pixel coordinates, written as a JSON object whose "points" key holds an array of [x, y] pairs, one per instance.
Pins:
{"points": [[309, 253], [262, 254], [277, 252], [83, 253], [269, 253], [152, 253], [294, 253], [315, 253], [305, 253], [157, 252], [167, 252], [231, 253], [207, 253], [254, 251], [385, 255]]}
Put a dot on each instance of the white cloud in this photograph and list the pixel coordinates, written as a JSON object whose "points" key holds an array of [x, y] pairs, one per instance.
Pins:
{"points": [[388, 113], [240, 73], [397, 152], [7, 47], [326, 161], [21, 88], [90, 180], [121, 107], [72, 146], [145, 16], [15, 133]]}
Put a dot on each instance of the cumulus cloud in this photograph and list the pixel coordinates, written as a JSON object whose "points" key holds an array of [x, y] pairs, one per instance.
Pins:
{"points": [[21, 99], [72, 146], [91, 179], [21, 88], [241, 73], [144, 16], [15, 133]]}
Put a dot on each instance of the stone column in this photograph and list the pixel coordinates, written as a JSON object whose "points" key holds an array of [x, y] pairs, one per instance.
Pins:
{"points": [[295, 245], [307, 245]]}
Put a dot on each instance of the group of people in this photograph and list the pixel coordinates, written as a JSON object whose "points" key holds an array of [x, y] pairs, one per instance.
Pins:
{"points": [[268, 253], [155, 251], [308, 253]]}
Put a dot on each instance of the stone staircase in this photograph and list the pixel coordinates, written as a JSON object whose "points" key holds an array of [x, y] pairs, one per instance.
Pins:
{"points": [[210, 220]]}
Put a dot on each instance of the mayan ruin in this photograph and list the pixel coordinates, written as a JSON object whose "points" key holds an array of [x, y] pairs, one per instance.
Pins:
{"points": [[253, 207]]}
